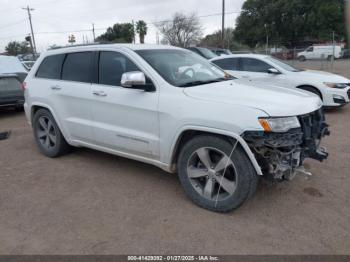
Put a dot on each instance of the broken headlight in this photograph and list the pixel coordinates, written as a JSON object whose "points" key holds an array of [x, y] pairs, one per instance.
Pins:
{"points": [[279, 124]]}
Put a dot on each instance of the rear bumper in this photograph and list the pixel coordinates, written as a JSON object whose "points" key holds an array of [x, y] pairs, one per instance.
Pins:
{"points": [[13, 101]]}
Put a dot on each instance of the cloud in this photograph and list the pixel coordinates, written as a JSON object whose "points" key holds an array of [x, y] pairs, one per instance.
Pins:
{"points": [[67, 16]]}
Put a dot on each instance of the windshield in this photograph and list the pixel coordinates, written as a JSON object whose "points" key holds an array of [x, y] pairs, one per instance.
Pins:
{"points": [[183, 68], [207, 53], [283, 65]]}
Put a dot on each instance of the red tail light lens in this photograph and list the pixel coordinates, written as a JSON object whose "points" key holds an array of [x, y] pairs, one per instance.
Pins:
{"points": [[24, 86]]}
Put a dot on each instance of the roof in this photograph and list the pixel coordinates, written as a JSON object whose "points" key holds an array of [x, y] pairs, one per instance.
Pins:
{"points": [[241, 55], [103, 46]]}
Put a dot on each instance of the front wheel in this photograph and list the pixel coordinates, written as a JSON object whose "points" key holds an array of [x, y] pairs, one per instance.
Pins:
{"points": [[216, 174]]}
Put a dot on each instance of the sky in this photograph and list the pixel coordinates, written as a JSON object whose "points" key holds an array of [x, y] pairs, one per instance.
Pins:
{"points": [[54, 20]]}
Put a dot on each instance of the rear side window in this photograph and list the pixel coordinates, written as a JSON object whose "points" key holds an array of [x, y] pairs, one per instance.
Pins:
{"points": [[77, 67], [50, 67], [112, 65], [228, 63], [254, 65]]}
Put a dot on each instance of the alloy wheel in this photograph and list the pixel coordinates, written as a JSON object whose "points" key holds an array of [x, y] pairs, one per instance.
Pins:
{"points": [[46, 132], [212, 173]]}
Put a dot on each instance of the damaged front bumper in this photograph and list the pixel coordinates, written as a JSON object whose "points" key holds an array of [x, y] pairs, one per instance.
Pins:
{"points": [[281, 155]]}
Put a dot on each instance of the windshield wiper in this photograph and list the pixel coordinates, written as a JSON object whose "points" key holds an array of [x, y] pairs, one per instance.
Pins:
{"points": [[197, 83]]}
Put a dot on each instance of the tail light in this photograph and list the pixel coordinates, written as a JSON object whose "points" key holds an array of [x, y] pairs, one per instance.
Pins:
{"points": [[24, 86]]}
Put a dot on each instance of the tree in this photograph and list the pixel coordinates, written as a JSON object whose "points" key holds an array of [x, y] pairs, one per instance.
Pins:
{"points": [[214, 40], [182, 30], [118, 33], [16, 48], [141, 29], [290, 22]]}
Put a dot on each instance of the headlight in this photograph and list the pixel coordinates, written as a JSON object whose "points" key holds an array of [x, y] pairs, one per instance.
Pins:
{"points": [[336, 85], [281, 124]]}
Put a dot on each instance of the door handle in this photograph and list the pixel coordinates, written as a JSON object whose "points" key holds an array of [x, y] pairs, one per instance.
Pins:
{"points": [[99, 93], [56, 87]]}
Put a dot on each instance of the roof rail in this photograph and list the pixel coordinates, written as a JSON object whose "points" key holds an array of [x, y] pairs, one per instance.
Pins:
{"points": [[67, 46]]}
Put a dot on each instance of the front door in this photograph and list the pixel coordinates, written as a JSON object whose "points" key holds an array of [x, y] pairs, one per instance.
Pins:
{"points": [[125, 119]]}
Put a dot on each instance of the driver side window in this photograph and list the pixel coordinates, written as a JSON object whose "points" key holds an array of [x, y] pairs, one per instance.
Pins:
{"points": [[254, 65], [112, 66]]}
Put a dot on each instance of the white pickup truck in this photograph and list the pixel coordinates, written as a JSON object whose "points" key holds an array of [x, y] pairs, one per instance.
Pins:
{"points": [[169, 107]]}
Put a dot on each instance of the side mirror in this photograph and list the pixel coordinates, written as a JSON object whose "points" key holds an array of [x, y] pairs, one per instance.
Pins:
{"points": [[135, 79], [273, 71]]}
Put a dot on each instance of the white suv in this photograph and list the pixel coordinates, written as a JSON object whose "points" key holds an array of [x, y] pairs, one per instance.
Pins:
{"points": [[171, 108]]}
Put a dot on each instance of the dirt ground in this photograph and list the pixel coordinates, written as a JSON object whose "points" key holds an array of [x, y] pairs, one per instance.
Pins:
{"points": [[93, 203]]}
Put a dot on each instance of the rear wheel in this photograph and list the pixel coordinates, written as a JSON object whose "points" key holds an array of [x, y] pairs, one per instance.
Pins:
{"points": [[48, 135], [330, 57], [216, 174]]}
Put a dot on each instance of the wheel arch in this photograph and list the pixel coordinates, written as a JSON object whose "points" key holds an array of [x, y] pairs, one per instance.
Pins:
{"points": [[188, 133], [37, 106], [311, 87]]}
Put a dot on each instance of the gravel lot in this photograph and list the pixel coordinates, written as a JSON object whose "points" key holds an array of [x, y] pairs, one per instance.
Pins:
{"points": [[93, 203]]}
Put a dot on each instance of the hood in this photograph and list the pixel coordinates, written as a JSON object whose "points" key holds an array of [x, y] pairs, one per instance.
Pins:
{"points": [[273, 100], [322, 76]]}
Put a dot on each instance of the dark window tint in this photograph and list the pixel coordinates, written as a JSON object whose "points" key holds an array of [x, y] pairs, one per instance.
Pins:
{"points": [[228, 63], [112, 66], [77, 66], [254, 65], [51, 67]]}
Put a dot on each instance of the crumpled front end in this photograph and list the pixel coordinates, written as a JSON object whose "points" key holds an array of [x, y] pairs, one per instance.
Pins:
{"points": [[281, 155]]}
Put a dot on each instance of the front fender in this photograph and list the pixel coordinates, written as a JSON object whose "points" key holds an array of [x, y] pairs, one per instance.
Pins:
{"points": [[215, 131]]}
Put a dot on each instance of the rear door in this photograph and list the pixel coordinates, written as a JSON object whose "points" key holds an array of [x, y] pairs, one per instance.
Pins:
{"points": [[66, 80], [125, 119], [230, 65]]}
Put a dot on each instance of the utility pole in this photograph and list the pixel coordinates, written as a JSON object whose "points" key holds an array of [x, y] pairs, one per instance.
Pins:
{"points": [[223, 25], [93, 31], [31, 26]]}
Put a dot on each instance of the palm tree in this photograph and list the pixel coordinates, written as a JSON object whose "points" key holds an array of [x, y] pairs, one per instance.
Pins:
{"points": [[141, 29]]}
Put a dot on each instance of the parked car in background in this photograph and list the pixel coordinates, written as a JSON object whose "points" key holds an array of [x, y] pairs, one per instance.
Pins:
{"points": [[320, 52], [334, 90], [12, 74], [204, 52], [28, 64], [171, 108], [220, 51]]}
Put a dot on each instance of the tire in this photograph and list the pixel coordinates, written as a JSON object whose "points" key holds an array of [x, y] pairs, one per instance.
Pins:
{"points": [[238, 179], [302, 58], [48, 136], [312, 90]]}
